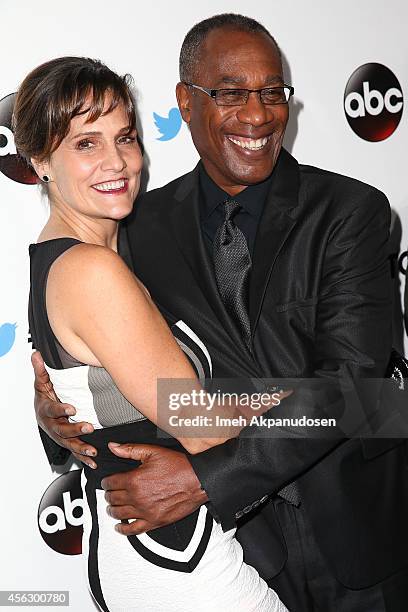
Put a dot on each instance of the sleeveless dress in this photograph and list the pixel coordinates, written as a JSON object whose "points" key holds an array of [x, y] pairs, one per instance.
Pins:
{"points": [[189, 566]]}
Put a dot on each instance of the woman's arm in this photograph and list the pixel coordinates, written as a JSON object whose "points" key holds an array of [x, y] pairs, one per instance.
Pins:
{"points": [[103, 316]]}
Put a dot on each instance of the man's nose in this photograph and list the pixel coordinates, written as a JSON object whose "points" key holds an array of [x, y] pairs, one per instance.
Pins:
{"points": [[113, 159], [254, 111]]}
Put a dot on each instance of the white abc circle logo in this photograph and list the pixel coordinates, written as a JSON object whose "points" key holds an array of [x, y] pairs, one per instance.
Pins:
{"points": [[63, 516], [373, 102], [391, 101], [60, 514]]}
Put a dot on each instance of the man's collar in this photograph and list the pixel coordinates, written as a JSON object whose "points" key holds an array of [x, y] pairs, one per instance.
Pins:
{"points": [[283, 194], [252, 198], [212, 194]]}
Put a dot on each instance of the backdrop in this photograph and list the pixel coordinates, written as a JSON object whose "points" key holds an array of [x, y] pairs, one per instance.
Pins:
{"points": [[348, 62]]}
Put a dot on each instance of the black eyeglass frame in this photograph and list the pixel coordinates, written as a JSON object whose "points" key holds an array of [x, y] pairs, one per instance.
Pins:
{"points": [[213, 93]]}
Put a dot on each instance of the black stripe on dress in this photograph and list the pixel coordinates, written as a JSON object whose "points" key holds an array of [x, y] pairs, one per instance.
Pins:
{"points": [[93, 569], [179, 566]]}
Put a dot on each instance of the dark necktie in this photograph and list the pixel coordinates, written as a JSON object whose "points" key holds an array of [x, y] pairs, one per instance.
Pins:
{"points": [[232, 263]]}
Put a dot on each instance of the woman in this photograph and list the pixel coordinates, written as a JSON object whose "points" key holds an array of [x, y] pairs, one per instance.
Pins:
{"points": [[106, 344]]}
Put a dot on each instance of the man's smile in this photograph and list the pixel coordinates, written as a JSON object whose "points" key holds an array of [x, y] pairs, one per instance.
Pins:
{"points": [[253, 144]]}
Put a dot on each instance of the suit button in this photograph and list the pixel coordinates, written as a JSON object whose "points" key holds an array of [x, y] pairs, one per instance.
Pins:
{"points": [[239, 514], [271, 389]]}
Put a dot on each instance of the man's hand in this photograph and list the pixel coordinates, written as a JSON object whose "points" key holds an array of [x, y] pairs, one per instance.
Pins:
{"points": [[163, 490], [52, 416]]}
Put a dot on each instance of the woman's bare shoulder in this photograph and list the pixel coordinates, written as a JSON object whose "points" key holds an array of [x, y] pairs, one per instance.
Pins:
{"points": [[87, 267], [84, 259]]}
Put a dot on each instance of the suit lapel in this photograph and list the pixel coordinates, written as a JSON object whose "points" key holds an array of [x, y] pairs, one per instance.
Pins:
{"points": [[277, 222], [185, 221]]}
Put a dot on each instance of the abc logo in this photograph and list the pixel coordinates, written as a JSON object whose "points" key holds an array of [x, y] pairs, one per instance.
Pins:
{"points": [[10, 163], [60, 514], [373, 102]]}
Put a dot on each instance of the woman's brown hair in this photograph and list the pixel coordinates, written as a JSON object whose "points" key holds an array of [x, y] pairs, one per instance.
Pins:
{"points": [[55, 92]]}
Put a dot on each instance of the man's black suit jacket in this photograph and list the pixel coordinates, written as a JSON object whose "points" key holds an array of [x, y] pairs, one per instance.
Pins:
{"points": [[320, 306]]}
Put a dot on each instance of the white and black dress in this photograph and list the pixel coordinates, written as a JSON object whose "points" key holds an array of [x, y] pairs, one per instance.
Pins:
{"points": [[191, 565]]}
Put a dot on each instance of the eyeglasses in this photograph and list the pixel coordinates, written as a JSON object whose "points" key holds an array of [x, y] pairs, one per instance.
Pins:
{"points": [[239, 97]]}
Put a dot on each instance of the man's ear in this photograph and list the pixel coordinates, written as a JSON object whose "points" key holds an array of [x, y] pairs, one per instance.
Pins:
{"points": [[183, 95], [42, 168]]}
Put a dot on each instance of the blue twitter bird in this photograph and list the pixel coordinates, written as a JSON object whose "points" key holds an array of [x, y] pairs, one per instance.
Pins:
{"points": [[169, 126], [7, 337]]}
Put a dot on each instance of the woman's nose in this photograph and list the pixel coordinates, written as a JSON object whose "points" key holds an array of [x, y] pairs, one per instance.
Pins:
{"points": [[113, 159]]}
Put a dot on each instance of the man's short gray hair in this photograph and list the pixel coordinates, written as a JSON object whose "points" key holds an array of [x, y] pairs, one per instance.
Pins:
{"points": [[190, 49]]}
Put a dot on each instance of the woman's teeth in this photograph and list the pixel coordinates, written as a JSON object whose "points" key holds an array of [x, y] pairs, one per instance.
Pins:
{"points": [[249, 143], [110, 186]]}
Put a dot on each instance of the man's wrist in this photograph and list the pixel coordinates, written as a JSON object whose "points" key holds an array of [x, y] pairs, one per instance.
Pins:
{"points": [[202, 496], [198, 492]]}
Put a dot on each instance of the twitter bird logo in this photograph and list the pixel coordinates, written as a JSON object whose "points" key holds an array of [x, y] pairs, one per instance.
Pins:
{"points": [[7, 337], [169, 126]]}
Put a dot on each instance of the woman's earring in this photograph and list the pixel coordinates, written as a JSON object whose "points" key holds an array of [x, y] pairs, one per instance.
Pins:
{"points": [[46, 178]]}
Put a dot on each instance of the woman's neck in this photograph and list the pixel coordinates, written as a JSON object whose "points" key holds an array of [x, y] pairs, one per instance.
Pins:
{"points": [[103, 232]]}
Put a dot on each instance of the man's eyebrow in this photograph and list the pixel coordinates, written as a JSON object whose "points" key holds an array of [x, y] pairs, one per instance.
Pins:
{"points": [[241, 80], [233, 80], [271, 79]]}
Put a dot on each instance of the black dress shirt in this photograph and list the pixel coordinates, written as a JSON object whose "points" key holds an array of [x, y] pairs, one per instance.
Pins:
{"points": [[251, 199]]}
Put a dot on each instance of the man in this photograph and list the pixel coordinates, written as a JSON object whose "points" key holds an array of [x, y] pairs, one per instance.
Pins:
{"points": [[282, 270]]}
